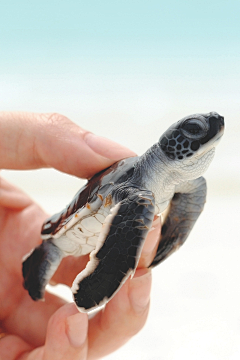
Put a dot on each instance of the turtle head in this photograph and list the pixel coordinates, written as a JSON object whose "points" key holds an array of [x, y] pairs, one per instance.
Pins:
{"points": [[189, 144]]}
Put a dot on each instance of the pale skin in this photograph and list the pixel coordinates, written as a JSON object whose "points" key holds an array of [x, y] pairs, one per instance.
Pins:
{"points": [[55, 330]]}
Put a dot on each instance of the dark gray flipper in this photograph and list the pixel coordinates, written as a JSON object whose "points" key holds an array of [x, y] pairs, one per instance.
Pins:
{"points": [[120, 252], [184, 211], [39, 267]]}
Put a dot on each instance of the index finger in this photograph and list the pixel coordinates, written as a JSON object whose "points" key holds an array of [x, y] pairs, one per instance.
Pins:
{"points": [[31, 141]]}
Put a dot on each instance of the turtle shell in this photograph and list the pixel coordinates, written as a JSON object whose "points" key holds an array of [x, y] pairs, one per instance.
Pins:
{"points": [[97, 188]]}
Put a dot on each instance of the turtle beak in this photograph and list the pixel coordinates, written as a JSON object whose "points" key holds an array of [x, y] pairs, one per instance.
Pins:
{"points": [[219, 127], [221, 122], [219, 119], [216, 123]]}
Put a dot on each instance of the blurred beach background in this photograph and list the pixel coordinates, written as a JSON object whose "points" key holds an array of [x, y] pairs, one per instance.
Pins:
{"points": [[126, 70]]}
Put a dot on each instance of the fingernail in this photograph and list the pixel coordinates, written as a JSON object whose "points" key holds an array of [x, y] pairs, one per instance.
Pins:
{"points": [[53, 283], [106, 147], [76, 329], [139, 290]]}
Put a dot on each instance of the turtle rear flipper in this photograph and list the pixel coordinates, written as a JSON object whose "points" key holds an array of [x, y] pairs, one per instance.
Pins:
{"points": [[117, 253], [39, 267]]}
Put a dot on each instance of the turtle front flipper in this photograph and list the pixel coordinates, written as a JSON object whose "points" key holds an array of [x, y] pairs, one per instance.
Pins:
{"points": [[118, 250], [186, 206], [39, 267]]}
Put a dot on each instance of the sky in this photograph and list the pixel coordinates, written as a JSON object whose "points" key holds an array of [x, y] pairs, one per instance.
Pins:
{"points": [[126, 29]]}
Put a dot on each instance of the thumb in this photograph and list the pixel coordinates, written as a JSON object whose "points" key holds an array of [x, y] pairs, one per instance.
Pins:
{"points": [[67, 335]]}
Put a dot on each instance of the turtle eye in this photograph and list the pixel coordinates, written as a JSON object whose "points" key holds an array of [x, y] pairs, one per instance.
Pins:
{"points": [[193, 128]]}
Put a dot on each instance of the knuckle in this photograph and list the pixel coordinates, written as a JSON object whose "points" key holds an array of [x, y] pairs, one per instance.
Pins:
{"points": [[53, 119], [56, 124]]}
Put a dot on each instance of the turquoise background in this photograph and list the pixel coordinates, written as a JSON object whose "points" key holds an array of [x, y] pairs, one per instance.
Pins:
{"points": [[54, 36]]}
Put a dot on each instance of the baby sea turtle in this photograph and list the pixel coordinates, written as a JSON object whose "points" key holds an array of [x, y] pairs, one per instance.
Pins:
{"points": [[111, 215]]}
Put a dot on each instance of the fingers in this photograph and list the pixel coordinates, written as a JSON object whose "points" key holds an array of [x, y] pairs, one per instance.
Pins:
{"points": [[67, 335], [66, 339], [30, 141], [12, 347], [123, 317], [11, 197], [32, 328], [150, 245], [69, 268]]}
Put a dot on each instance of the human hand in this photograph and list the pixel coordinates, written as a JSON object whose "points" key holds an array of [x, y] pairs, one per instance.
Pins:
{"points": [[54, 329]]}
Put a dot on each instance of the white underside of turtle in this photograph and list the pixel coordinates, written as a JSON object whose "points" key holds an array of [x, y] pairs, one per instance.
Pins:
{"points": [[82, 237], [112, 214]]}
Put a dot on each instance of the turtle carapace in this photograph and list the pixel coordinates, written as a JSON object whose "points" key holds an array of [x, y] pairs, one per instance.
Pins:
{"points": [[111, 215]]}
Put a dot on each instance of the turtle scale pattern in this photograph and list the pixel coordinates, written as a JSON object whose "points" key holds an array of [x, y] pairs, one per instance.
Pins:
{"points": [[119, 253], [112, 214]]}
